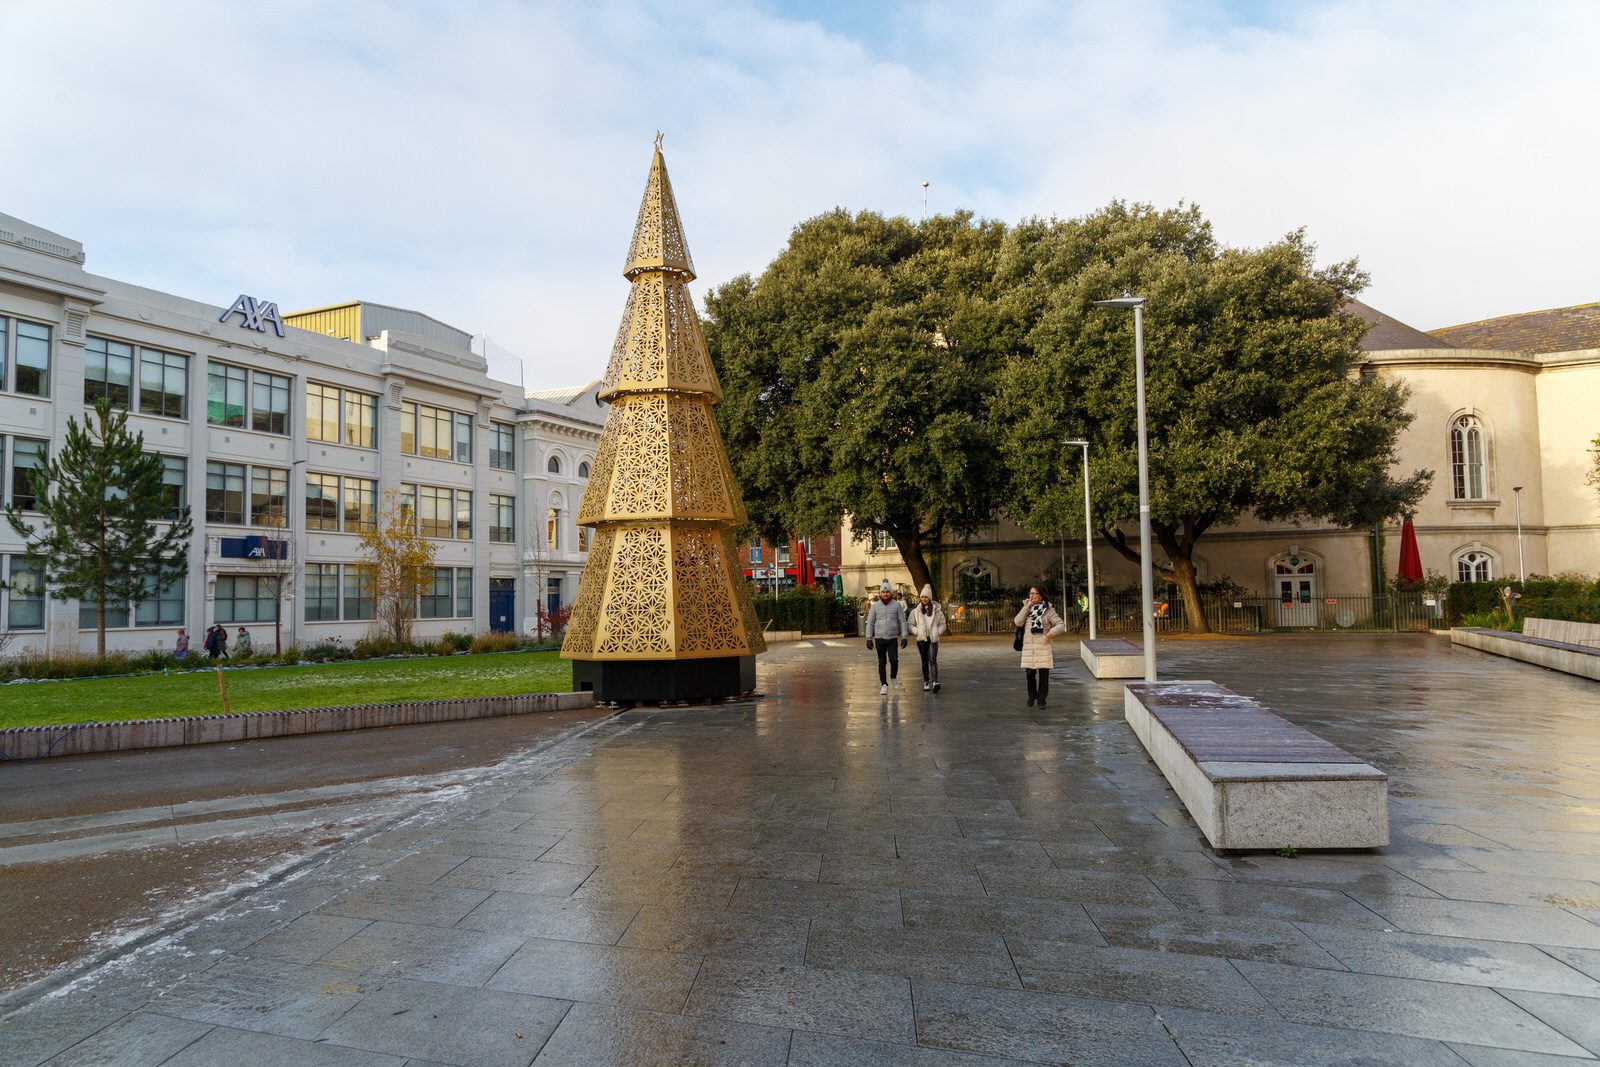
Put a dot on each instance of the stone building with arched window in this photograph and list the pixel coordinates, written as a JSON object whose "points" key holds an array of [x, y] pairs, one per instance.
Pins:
{"points": [[1505, 411]]}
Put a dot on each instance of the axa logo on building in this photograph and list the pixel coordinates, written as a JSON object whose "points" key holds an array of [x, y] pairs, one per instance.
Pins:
{"points": [[254, 314]]}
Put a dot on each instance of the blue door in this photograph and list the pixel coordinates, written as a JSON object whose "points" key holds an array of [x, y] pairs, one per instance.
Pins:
{"points": [[502, 603]]}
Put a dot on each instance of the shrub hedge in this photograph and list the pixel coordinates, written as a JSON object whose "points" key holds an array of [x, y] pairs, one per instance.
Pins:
{"points": [[810, 613], [1569, 597]]}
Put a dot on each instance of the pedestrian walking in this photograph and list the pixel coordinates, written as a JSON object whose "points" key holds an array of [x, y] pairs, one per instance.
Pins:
{"points": [[1040, 624], [927, 623], [181, 649], [218, 642], [210, 641], [1083, 612], [886, 635], [242, 644]]}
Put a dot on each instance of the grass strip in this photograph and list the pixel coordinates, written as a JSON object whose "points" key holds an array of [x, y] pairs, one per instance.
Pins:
{"points": [[159, 696]]}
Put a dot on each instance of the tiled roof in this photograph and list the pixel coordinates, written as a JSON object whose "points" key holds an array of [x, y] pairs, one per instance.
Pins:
{"points": [[1557, 330], [1387, 335]]}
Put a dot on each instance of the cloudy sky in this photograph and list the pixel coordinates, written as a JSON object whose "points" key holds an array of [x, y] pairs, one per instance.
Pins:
{"points": [[483, 161]]}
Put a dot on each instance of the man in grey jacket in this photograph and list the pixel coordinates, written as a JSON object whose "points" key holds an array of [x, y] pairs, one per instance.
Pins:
{"points": [[886, 625]]}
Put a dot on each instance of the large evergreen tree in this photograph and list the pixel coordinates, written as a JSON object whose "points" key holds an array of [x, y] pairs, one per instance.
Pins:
{"points": [[1254, 400], [857, 370], [107, 534]]}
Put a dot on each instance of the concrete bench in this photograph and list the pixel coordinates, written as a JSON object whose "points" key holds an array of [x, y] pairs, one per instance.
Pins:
{"points": [[1251, 779], [1570, 633], [1569, 657], [1112, 657]]}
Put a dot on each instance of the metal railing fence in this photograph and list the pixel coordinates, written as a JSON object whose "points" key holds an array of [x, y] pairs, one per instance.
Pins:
{"points": [[1119, 614]]}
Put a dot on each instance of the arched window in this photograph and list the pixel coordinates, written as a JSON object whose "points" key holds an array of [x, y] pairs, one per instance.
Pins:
{"points": [[583, 469], [1468, 468], [1474, 566], [554, 466]]}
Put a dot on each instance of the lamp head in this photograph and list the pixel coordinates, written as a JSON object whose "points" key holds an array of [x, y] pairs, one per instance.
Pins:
{"points": [[1077, 444], [1127, 300]]}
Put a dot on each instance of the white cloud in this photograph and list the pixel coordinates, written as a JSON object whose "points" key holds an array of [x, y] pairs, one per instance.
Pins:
{"points": [[482, 162]]}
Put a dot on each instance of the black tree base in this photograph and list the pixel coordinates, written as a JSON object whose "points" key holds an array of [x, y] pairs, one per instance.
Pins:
{"points": [[693, 680]]}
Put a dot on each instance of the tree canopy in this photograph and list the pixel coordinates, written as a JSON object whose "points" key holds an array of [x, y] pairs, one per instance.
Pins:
{"points": [[1253, 396], [858, 370], [110, 531]]}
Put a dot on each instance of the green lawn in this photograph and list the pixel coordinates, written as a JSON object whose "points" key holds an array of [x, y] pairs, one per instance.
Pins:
{"points": [[277, 688]]}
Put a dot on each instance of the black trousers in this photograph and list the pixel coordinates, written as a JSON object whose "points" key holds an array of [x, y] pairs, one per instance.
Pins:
{"points": [[888, 648], [1038, 683], [929, 651]]}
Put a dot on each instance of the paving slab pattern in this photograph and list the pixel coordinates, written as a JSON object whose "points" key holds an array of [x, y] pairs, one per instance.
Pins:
{"points": [[826, 876]]}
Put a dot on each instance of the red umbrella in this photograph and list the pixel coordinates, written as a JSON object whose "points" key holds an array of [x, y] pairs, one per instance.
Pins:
{"points": [[805, 575], [1410, 558]]}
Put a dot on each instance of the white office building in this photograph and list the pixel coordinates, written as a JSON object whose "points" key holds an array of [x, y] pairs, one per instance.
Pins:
{"points": [[316, 416]]}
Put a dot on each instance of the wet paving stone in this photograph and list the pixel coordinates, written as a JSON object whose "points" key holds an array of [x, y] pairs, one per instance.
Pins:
{"points": [[1435, 1010], [1210, 1040], [306, 939], [1139, 975], [1041, 1027], [569, 919], [596, 1035], [738, 935], [1023, 916], [139, 1040], [1231, 937], [228, 1046], [268, 995], [949, 955], [566, 970], [1575, 1017], [537, 877], [1078, 887], [1492, 922], [826, 1050], [1451, 959], [848, 1003], [1287, 902], [424, 953], [817, 900], [901, 874], [448, 1024], [406, 902]]}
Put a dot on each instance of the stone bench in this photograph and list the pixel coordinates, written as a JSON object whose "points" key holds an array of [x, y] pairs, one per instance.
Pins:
{"points": [[1112, 657], [1570, 633], [1251, 779], [1569, 657]]}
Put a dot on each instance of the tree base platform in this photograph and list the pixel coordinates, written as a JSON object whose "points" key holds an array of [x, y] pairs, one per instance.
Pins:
{"points": [[692, 680]]}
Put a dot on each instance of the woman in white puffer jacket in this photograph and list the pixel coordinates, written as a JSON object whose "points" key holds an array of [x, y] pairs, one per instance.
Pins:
{"points": [[927, 623], [1040, 624]]}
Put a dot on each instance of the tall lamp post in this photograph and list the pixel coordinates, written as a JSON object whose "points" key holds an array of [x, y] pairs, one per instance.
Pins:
{"points": [[1522, 572], [1146, 564], [1088, 535]]}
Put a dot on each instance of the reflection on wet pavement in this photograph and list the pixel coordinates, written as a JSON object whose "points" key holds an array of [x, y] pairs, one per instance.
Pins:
{"points": [[825, 875]]}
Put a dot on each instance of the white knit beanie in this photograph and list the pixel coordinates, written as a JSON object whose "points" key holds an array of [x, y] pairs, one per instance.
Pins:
{"points": [[927, 591]]}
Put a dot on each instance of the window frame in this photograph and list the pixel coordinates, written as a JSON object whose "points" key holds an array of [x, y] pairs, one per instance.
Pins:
{"points": [[502, 519], [503, 446]]}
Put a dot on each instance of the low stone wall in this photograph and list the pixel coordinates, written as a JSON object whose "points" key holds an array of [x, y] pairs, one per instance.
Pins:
{"points": [[39, 742], [1582, 660], [1112, 658], [1571, 633]]}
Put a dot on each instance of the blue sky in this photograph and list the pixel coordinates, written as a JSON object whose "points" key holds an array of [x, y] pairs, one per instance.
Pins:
{"points": [[482, 161]]}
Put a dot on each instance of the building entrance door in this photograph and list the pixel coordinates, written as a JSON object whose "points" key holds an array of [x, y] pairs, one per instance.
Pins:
{"points": [[1295, 579], [502, 603]]}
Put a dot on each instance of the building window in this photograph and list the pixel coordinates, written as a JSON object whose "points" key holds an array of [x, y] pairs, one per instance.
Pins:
{"points": [[322, 413], [553, 530], [438, 602], [435, 433], [502, 446], [28, 346], [755, 551], [175, 482], [554, 465], [360, 504], [322, 500], [1467, 466], [107, 372], [163, 383], [25, 593], [160, 607], [88, 615], [27, 456], [269, 411], [269, 497], [583, 469], [226, 395], [358, 601], [1474, 567], [463, 592], [244, 598], [225, 492], [433, 509], [882, 542], [360, 419], [464, 514], [322, 592], [502, 519], [781, 552]]}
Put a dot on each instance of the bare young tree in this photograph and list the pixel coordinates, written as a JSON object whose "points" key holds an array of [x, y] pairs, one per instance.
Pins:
{"points": [[398, 566]]}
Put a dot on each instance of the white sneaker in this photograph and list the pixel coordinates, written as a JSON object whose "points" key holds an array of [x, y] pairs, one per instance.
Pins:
{"points": [[883, 690], [926, 687], [897, 685]]}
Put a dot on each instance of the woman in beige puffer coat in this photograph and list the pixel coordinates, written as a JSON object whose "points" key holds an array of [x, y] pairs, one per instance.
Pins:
{"points": [[1040, 624]]}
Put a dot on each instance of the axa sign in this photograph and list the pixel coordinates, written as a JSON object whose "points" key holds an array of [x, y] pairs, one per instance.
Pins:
{"points": [[254, 314]]}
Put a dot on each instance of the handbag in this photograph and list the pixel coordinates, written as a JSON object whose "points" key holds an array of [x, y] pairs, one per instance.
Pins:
{"points": [[1016, 645]]}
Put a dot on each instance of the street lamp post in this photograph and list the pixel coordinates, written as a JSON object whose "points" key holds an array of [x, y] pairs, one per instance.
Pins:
{"points": [[1522, 571], [1146, 564], [1088, 536]]}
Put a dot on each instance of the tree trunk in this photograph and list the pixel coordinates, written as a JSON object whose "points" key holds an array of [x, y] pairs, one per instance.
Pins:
{"points": [[916, 561], [1183, 575]]}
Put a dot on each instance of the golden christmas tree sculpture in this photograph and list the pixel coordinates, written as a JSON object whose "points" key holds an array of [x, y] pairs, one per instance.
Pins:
{"points": [[663, 610]]}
